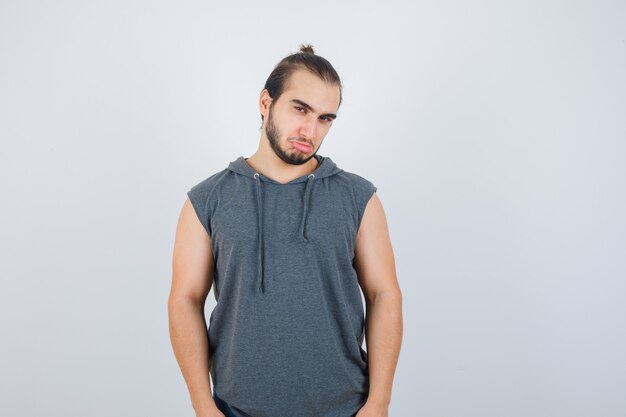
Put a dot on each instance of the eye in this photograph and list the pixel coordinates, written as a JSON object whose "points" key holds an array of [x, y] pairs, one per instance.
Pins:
{"points": [[300, 109], [327, 119]]}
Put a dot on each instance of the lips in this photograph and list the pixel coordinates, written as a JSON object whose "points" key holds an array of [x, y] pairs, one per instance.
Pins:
{"points": [[302, 147]]}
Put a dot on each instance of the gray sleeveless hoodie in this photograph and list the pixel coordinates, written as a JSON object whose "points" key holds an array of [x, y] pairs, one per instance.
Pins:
{"points": [[286, 335]]}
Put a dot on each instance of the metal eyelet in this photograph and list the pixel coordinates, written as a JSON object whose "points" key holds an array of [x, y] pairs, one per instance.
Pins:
{"points": [[256, 175], [312, 175]]}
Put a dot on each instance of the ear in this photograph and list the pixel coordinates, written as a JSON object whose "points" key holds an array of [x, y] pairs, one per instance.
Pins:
{"points": [[264, 102]]}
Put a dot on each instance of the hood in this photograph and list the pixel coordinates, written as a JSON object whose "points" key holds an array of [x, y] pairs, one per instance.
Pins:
{"points": [[325, 168]]}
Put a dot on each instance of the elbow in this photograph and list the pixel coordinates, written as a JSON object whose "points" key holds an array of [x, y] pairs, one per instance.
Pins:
{"points": [[183, 303], [392, 294]]}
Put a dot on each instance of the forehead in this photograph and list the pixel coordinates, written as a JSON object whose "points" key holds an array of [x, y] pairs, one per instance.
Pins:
{"points": [[308, 87]]}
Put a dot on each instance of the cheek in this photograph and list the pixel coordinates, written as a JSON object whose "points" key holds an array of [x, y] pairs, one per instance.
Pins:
{"points": [[324, 130], [289, 129]]}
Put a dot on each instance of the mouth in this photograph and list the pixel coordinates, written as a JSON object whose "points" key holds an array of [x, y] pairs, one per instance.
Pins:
{"points": [[301, 146]]}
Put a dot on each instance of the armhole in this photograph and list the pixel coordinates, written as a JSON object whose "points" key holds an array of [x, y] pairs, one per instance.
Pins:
{"points": [[199, 203], [364, 194]]}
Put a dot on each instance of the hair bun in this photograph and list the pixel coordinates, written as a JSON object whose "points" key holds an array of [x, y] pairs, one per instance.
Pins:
{"points": [[307, 49]]}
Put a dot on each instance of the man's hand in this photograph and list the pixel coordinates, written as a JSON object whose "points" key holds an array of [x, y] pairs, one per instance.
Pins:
{"points": [[373, 410]]}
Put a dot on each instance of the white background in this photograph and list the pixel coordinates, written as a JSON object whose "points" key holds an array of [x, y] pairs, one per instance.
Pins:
{"points": [[494, 131]]}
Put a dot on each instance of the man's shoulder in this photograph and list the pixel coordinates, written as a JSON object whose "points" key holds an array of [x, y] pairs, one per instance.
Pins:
{"points": [[361, 190], [208, 184], [353, 177], [355, 180]]}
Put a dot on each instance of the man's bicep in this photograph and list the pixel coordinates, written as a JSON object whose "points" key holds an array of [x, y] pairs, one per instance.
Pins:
{"points": [[374, 259], [193, 263]]}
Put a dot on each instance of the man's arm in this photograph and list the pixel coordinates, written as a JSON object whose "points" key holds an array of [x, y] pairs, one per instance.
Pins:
{"points": [[192, 277], [375, 265]]}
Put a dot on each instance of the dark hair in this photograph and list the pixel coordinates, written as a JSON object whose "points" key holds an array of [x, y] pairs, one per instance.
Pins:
{"points": [[305, 58]]}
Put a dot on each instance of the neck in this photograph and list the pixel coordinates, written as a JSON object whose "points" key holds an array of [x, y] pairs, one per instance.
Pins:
{"points": [[266, 162]]}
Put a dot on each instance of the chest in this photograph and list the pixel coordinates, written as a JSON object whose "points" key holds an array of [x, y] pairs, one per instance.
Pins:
{"points": [[326, 216]]}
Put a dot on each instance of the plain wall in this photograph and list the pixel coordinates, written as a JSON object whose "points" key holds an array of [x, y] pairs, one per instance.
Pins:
{"points": [[494, 131]]}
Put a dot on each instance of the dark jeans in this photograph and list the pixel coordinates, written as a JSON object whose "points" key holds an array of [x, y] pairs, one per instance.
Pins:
{"points": [[223, 406]]}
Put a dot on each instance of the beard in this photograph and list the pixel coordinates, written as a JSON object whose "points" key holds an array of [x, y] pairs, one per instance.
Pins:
{"points": [[294, 157]]}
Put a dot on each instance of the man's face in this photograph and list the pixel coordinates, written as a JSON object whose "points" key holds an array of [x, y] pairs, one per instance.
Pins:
{"points": [[298, 121]]}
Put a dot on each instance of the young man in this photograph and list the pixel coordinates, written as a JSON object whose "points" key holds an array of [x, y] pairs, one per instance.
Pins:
{"points": [[287, 240]]}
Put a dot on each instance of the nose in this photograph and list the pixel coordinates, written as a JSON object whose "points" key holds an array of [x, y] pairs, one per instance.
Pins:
{"points": [[308, 128]]}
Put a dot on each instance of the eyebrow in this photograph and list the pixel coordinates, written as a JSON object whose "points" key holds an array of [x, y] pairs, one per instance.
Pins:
{"points": [[308, 107]]}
